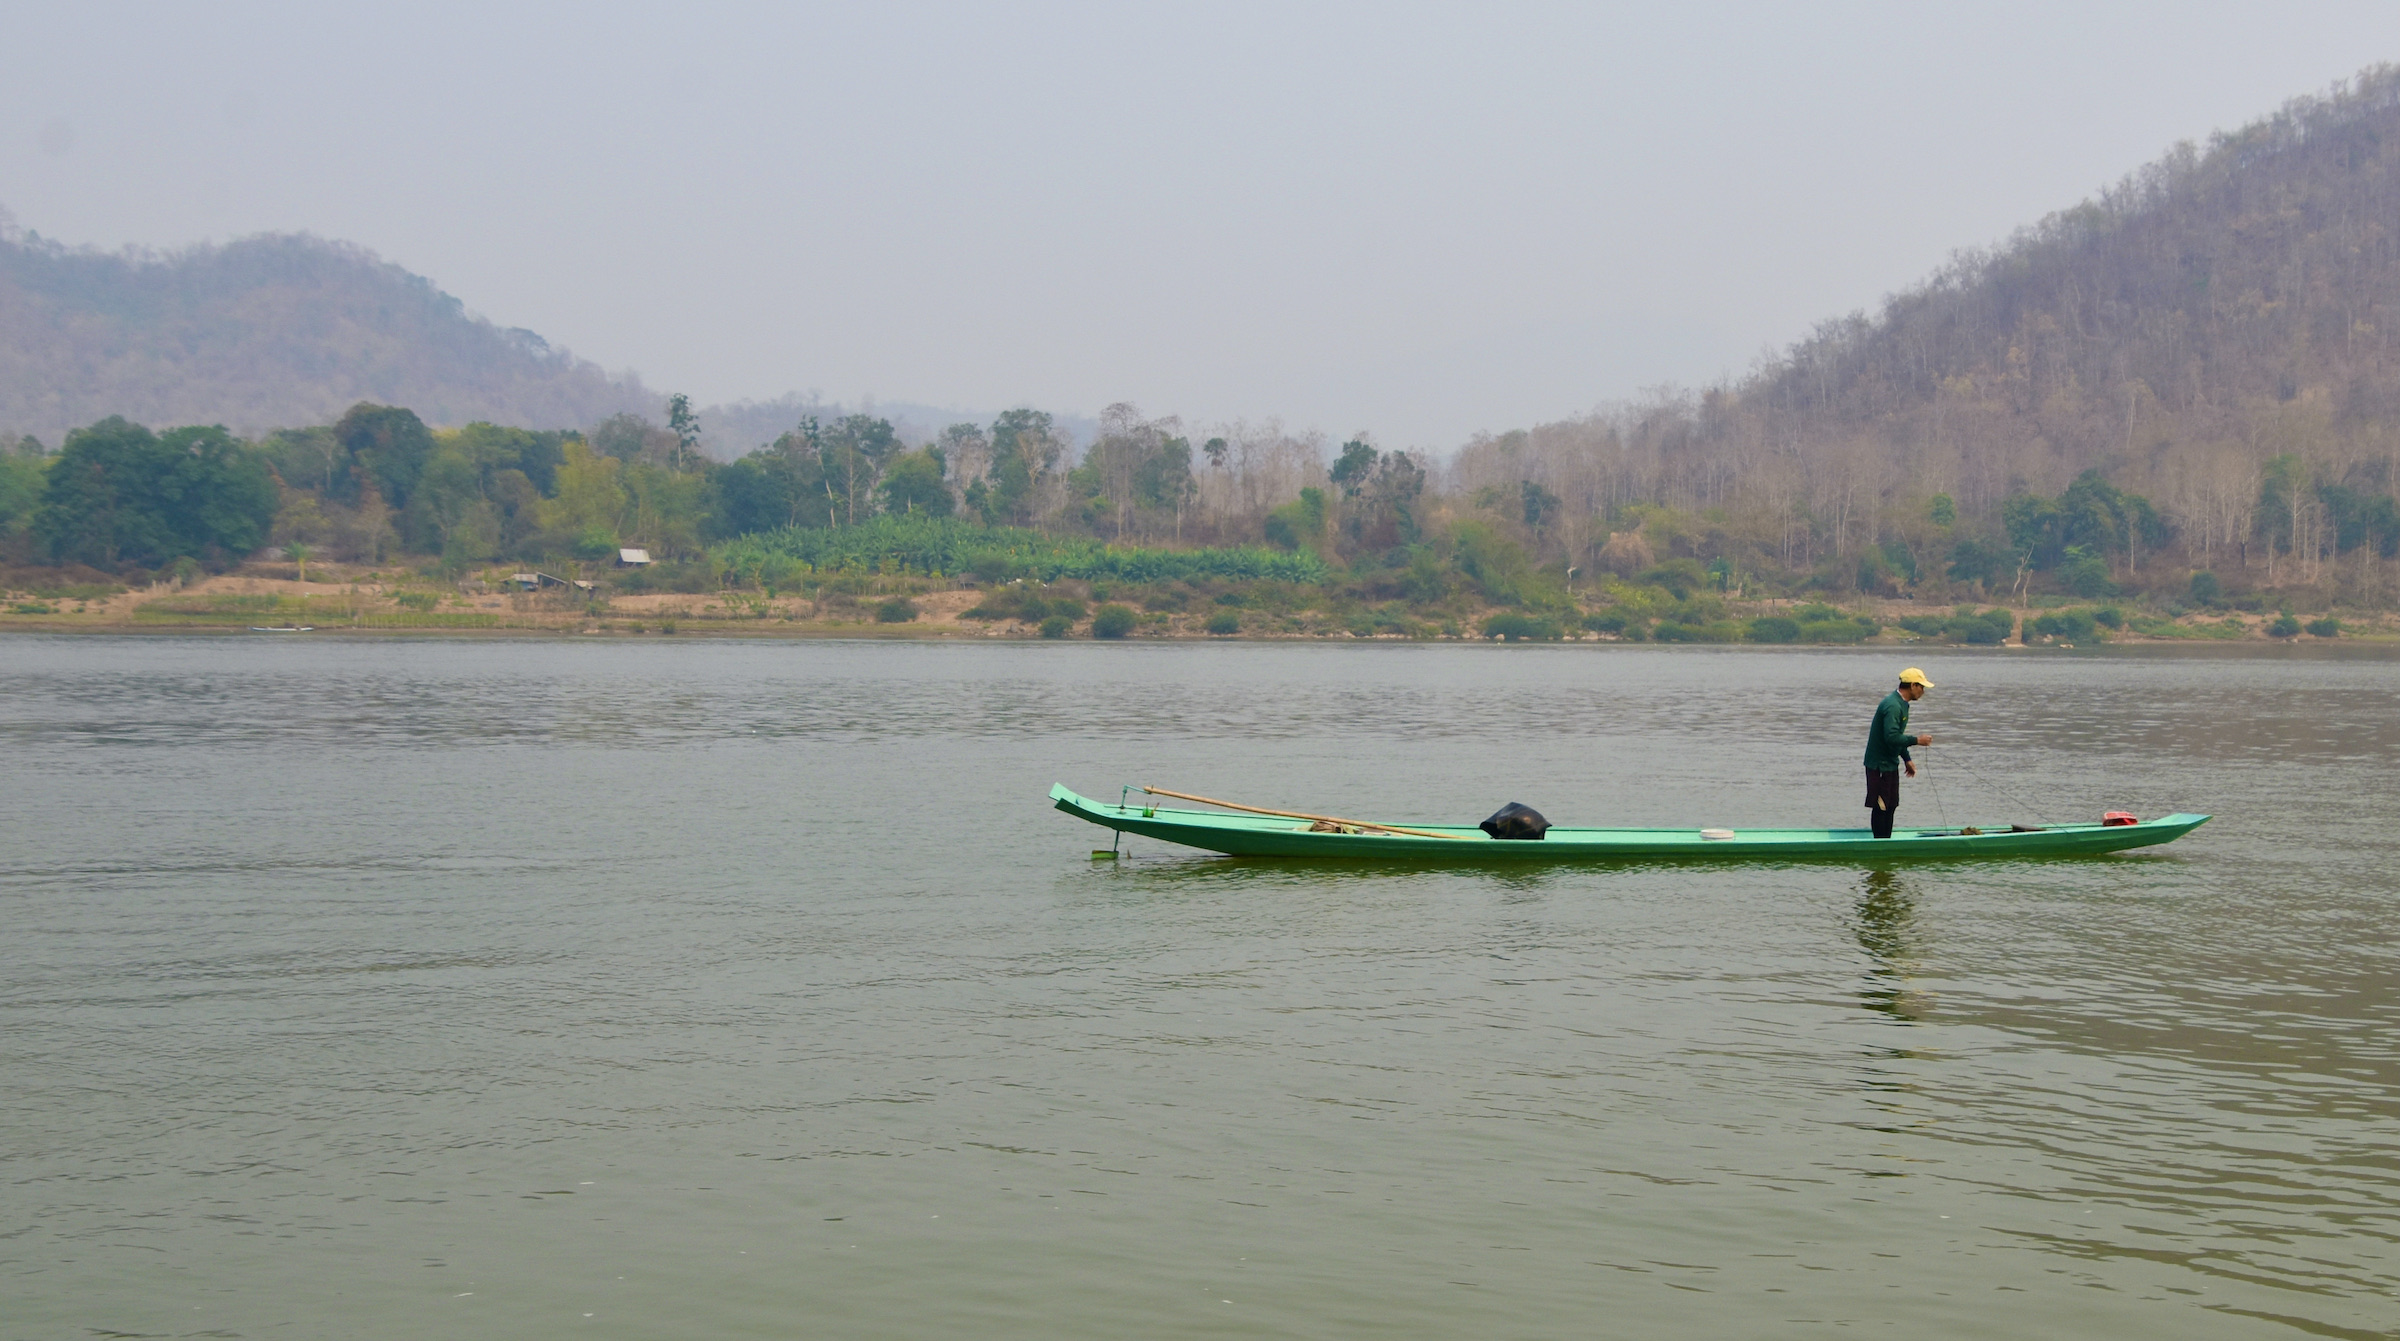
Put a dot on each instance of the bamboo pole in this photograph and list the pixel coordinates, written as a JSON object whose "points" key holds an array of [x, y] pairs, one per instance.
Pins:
{"points": [[1298, 814]]}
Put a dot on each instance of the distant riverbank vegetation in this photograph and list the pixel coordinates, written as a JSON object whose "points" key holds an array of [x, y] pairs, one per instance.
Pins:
{"points": [[2174, 404], [1249, 532]]}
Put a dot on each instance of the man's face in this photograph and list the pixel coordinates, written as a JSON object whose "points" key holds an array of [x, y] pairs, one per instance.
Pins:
{"points": [[1912, 692]]}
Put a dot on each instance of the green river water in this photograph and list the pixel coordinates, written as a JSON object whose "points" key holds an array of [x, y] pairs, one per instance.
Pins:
{"points": [[745, 989]]}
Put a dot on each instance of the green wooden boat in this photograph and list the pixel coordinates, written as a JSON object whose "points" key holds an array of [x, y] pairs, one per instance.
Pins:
{"points": [[1278, 836]]}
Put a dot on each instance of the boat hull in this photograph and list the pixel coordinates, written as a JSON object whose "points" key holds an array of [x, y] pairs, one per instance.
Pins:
{"points": [[1266, 836]]}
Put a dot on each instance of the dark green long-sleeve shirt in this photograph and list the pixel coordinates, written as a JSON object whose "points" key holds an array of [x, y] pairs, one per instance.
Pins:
{"points": [[1888, 738]]}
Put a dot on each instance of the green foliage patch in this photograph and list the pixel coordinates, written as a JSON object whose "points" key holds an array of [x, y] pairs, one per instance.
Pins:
{"points": [[443, 619], [1988, 628], [119, 493], [948, 545], [320, 610], [1522, 628], [1024, 602], [2071, 626]]}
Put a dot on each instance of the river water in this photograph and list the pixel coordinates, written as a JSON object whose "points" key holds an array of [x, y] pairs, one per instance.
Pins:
{"points": [[749, 989]]}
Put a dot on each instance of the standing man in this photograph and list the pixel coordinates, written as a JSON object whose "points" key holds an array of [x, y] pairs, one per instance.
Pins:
{"points": [[1887, 748]]}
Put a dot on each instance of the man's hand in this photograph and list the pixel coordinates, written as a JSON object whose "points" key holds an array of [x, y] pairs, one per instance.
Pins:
{"points": [[1924, 740], [1908, 766]]}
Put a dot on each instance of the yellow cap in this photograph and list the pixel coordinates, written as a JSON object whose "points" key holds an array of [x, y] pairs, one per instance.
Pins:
{"points": [[1914, 676]]}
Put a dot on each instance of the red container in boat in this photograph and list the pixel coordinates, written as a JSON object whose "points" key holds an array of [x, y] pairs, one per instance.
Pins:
{"points": [[2119, 817]]}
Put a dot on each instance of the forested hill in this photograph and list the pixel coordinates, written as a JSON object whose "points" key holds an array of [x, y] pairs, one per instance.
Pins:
{"points": [[2261, 269], [2220, 332], [263, 333]]}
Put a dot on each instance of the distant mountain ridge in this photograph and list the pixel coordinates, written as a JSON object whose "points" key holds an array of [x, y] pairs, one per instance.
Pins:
{"points": [[267, 332], [2249, 271], [2218, 335], [287, 329]]}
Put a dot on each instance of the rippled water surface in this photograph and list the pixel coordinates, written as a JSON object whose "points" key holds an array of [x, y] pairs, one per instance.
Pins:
{"points": [[401, 989]]}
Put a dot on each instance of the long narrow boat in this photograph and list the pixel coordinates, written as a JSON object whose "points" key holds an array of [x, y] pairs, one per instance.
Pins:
{"points": [[1281, 836]]}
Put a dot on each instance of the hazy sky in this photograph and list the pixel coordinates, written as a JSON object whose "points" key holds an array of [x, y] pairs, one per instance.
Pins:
{"points": [[1420, 220]]}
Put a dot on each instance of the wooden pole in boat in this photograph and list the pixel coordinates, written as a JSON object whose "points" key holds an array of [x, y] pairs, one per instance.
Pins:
{"points": [[1298, 814]]}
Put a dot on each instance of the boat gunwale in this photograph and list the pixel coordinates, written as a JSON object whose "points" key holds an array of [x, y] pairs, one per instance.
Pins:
{"points": [[1270, 836]]}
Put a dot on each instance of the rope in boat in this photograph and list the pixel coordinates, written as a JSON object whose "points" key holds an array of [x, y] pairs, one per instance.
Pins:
{"points": [[1299, 814]]}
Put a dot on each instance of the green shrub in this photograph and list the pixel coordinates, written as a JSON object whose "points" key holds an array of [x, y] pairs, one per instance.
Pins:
{"points": [[994, 567], [897, 610], [1989, 629], [1926, 626], [1056, 626], [78, 591], [1680, 576], [444, 619], [2109, 617], [1025, 603], [417, 600], [1839, 629], [1773, 629], [2284, 627], [2205, 588], [1113, 621], [1697, 610], [2328, 627], [1713, 631], [1225, 625], [1519, 628], [1606, 621], [932, 545], [2086, 574], [2072, 626], [694, 576]]}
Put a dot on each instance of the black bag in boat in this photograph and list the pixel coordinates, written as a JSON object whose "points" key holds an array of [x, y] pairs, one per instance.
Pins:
{"points": [[1516, 820]]}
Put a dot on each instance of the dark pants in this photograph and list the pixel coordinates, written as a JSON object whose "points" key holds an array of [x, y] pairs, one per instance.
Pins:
{"points": [[1883, 797]]}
